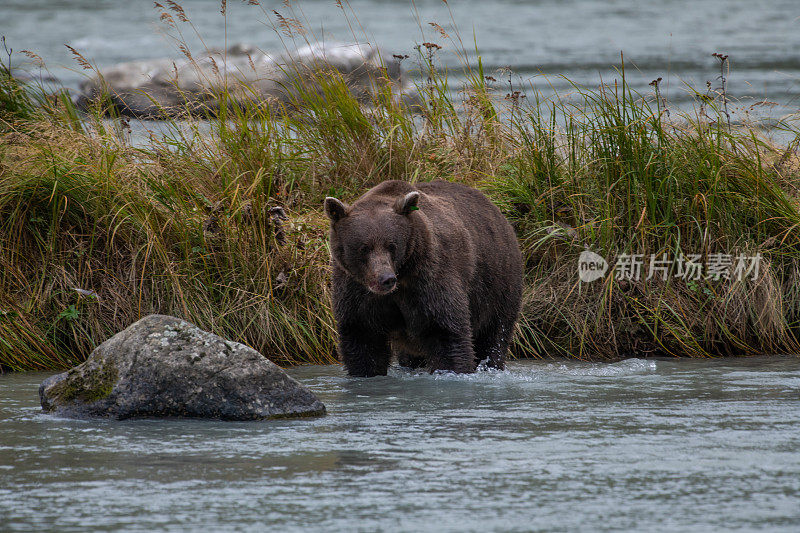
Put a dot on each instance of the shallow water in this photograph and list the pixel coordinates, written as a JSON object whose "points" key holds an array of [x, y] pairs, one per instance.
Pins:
{"points": [[579, 39], [671, 445]]}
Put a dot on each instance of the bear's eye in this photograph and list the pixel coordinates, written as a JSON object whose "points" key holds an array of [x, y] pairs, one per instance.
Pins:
{"points": [[392, 247], [363, 249]]}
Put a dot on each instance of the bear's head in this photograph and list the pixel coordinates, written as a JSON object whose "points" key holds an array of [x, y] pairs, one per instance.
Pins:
{"points": [[372, 239]]}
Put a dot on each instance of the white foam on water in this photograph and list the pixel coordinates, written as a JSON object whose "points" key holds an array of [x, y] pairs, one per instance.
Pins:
{"points": [[621, 368], [529, 371]]}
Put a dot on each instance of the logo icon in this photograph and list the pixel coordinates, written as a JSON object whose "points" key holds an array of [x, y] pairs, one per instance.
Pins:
{"points": [[591, 266]]}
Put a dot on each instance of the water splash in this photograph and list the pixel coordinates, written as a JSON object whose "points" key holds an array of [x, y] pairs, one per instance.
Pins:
{"points": [[528, 371]]}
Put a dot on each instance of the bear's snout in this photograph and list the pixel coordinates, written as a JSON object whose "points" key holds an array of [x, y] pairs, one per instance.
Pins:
{"points": [[381, 278], [382, 282], [387, 281]]}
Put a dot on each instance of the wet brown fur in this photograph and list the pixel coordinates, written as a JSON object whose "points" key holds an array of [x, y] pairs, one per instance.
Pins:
{"points": [[458, 273]]}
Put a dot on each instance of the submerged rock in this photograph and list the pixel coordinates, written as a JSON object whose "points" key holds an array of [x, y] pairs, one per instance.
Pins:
{"points": [[166, 87], [163, 366]]}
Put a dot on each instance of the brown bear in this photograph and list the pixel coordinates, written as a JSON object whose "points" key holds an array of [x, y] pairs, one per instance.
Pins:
{"points": [[429, 272]]}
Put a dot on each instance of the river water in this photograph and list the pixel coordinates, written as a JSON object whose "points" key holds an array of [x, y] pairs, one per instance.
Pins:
{"points": [[640, 445], [541, 40]]}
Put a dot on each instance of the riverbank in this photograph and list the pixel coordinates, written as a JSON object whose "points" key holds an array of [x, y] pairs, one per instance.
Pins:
{"points": [[97, 233]]}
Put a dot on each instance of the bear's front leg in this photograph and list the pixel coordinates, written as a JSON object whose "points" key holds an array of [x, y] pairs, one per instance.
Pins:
{"points": [[444, 328], [364, 353], [451, 350]]}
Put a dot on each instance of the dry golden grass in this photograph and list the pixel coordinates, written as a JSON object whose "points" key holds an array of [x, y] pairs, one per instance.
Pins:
{"points": [[95, 234]]}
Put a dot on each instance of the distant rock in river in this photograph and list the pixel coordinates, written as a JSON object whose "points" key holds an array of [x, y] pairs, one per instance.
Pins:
{"points": [[167, 87], [162, 366]]}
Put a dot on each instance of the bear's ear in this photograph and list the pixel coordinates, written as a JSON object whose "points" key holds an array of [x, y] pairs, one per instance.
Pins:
{"points": [[407, 203], [335, 209]]}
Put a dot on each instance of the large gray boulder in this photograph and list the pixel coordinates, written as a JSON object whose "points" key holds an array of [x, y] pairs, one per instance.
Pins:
{"points": [[170, 87], [163, 366]]}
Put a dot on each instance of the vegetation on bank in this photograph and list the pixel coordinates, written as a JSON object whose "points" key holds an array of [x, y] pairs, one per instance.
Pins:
{"points": [[96, 233]]}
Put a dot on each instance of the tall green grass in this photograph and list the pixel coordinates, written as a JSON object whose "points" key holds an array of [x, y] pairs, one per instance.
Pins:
{"points": [[95, 233]]}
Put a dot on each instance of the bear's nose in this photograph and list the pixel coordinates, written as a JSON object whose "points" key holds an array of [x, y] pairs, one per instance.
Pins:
{"points": [[387, 281]]}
